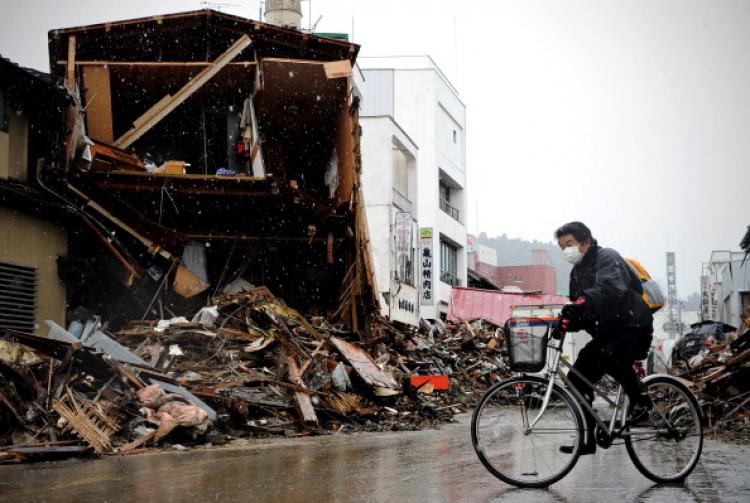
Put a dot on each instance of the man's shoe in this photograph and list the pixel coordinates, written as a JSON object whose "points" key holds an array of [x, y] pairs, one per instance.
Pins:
{"points": [[585, 449], [639, 412]]}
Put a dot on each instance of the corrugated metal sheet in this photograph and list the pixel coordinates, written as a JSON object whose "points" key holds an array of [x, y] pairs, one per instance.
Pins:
{"points": [[105, 344], [58, 333], [471, 303], [97, 340]]}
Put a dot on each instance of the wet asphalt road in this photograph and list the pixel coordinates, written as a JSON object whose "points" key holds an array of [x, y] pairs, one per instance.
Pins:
{"points": [[426, 466]]}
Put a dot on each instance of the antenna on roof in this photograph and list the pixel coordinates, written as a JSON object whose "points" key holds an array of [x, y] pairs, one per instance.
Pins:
{"points": [[217, 6], [312, 29]]}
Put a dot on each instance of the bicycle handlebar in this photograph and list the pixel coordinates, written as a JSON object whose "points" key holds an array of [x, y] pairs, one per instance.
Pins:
{"points": [[558, 332]]}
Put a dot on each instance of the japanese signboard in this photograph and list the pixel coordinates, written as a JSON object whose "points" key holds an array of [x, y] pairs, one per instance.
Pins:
{"points": [[404, 256], [425, 280]]}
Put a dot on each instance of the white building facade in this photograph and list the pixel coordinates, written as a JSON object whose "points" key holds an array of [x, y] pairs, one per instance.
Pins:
{"points": [[420, 99], [725, 287], [389, 185]]}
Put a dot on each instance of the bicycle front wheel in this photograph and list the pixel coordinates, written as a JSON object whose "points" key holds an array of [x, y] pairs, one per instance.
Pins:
{"points": [[667, 449], [512, 447]]}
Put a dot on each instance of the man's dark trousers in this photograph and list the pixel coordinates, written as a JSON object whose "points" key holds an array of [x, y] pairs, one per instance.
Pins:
{"points": [[612, 353]]}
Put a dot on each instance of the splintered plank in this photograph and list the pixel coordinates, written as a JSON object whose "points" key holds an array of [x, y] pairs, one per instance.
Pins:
{"points": [[98, 103], [167, 104], [364, 365], [338, 69], [301, 398], [70, 73], [137, 442], [90, 423]]}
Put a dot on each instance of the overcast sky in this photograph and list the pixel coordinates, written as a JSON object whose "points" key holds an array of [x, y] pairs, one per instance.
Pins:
{"points": [[632, 116]]}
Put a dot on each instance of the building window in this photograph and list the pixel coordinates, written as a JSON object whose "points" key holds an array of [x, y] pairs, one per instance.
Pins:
{"points": [[455, 136], [445, 192], [518, 279], [17, 297], [448, 263], [401, 172], [445, 202]]}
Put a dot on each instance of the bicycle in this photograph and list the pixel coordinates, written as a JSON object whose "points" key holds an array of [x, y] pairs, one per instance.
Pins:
{"points": [[520, 423]]}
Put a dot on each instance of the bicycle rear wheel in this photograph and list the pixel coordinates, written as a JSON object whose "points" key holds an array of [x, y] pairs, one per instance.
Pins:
{"points": [[514, 451], [668, 449]]}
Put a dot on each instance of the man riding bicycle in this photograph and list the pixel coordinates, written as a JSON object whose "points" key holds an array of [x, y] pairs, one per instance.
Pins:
{"points": [[608, 304]]}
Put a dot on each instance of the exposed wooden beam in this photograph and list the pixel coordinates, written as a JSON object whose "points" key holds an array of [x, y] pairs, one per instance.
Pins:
{"points": [[261, 239], [236, 180], [110, 246], [70, 74], [64, 62], [302, 398], [165, 106], [218, 191], [137, 235]]}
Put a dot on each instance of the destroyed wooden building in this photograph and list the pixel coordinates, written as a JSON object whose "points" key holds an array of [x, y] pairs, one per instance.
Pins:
{"points": [[32, 221], [207, 152]]}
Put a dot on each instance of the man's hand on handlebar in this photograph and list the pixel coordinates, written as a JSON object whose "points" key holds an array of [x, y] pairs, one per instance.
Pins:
{"points": [[575, 311], [560, 329], [571, 319]]}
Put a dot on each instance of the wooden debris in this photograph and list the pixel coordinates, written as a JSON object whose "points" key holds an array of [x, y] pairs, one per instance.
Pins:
{"points": [[89, 421], [720, 377], [302, 399], [260, 368], [365, 366]]}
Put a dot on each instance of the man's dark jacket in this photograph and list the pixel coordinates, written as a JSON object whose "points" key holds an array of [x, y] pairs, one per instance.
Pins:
{"points": [[612, 293]]}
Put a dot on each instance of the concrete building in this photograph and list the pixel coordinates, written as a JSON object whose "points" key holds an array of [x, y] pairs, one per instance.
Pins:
{"points": [[725, 287], [389, 182], [33, 235], [520, 278], [528, 278], [540, 276], [422, 101]]}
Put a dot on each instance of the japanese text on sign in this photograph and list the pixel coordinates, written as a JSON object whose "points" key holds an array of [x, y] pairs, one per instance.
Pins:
{"points": [[425, 237]]}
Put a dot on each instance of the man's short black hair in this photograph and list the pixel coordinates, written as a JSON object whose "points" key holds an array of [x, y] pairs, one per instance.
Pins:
{"points": [[578, 230]]}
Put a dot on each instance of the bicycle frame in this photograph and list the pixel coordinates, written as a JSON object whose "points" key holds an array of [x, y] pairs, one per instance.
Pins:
{"points": [[673, 417], [554, 371]]}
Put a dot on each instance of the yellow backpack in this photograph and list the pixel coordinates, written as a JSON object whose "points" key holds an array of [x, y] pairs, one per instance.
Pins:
{"points": [[652, 294]]}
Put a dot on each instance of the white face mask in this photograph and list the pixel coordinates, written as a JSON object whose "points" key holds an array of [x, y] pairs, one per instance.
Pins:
{"points": [[572, 254]]}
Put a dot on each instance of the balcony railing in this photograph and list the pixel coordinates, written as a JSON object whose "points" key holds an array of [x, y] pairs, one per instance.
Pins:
{"points": [[450, 210], [447, 277]]}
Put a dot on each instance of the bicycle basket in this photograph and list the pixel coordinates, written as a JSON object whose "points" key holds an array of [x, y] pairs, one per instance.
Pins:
{"points": [[527, 343]]}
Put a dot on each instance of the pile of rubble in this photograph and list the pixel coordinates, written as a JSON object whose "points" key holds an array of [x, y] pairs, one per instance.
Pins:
{"points": [[720, 377], [247, 366]]}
